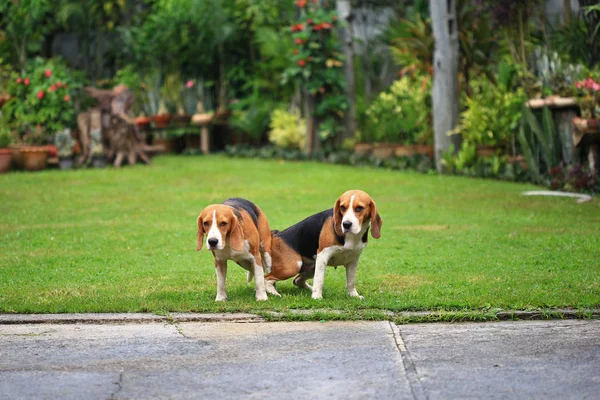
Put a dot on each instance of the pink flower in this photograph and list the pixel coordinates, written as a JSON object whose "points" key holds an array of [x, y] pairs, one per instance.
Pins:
{"points": [[52, 88], [189, 84], [19, 80], [67, 98], [595, 86], [26, 81], [40, 94], [48, 73]]}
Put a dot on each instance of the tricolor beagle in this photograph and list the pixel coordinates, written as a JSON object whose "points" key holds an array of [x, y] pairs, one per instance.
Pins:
{"points": [[236, 230], [332, 237]]}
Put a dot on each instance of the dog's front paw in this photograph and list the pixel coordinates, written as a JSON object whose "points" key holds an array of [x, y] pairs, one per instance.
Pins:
{"points": [[261, 297], [355, 294], [317, 296]]}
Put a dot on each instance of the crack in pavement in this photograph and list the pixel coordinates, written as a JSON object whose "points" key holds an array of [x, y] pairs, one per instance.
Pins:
{"points": [[417, 389]]}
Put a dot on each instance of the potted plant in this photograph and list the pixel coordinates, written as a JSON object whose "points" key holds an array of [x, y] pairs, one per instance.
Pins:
{"points": [[41, 105], [5, 151], [588, 98], [64, 142]]}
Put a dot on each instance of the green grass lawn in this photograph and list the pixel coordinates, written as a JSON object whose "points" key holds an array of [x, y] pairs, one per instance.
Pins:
{"points": [[124, 240]]}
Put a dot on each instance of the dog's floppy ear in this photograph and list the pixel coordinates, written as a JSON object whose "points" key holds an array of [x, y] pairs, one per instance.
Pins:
{"points": [[200, 233], [236, 235], [376, 221], [337, 219]]}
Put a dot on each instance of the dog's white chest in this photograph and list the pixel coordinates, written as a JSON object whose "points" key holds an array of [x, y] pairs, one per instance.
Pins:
{"points": [[227, 253], [343, 255]]}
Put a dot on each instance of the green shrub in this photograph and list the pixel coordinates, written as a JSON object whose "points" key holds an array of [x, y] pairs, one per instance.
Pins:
{"points": [[492, 114], [288, 130], [402, 114]]}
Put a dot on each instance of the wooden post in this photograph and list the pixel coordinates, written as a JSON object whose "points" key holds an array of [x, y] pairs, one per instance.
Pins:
{"points": [[445, 77], [344, 10]]}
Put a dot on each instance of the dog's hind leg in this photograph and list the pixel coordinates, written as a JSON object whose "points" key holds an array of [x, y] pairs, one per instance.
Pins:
{"points": [[307, 271]]}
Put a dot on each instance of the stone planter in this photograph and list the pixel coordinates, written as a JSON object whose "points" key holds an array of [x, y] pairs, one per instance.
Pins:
{"points": [[484, 150], [5, 160], [65, 163], [404, 151], [363, 149], [384, 150], [424, 150]]}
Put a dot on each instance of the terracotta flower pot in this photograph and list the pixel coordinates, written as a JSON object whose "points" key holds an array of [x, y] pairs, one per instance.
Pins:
{"points": [[161, 120], [383, 150], [142, 122], [34, 157], [363, 149], [5, 159]]}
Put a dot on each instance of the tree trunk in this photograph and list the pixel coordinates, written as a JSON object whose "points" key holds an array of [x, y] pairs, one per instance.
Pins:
{"points": [[344, 10], [568, 11], [313, 143], [444, 94]]}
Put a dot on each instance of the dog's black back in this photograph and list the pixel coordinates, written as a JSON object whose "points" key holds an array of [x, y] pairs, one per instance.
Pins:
{"points": [[303, 237], [238, 203]]}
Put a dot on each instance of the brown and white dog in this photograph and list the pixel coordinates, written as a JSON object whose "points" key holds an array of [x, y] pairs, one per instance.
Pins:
{"points": [[236, 230], [332, 237]]}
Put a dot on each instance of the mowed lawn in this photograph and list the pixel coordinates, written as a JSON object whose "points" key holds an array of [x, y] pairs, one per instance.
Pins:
{"points": [[124, 240]]}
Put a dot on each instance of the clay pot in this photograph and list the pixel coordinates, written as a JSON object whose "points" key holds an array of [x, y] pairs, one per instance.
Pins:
{"points": [[34, 157], [142, 122], [161, 120], [5, 159], [363, 149]]}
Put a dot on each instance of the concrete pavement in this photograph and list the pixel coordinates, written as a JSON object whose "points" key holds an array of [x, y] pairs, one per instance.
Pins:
{"points": [[111, 358]]}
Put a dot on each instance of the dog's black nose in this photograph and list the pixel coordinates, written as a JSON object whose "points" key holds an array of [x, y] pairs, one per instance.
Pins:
{"points": [[347, 224], [212, 242]]}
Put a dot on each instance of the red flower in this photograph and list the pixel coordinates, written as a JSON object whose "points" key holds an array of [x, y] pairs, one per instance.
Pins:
{"points": [[301, 3], [317, 27], [326, 25], [38, 127], [298, 41], [67, 98], [40, 94], [48, 73], [26, 81], [52, 88], [19, 80], [309, 21], [301, 63], [295, 51]]}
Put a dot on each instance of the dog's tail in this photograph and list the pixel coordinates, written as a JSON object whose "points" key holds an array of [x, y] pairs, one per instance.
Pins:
{"points": [[249, 276]]}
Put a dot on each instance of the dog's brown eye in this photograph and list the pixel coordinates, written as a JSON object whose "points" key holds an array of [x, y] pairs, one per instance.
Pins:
{"points": [[223, 223], [205, 223], [358, 209], [343, 209]]}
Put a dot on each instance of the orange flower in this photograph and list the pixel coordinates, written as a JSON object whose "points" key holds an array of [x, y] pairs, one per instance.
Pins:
{"points": [[67, 98], [301, 3], [301, 63], [299, 41]]}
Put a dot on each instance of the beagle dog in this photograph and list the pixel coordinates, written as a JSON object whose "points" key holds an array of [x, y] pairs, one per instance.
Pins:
{"points": [[332, 237], [236, 230]]}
